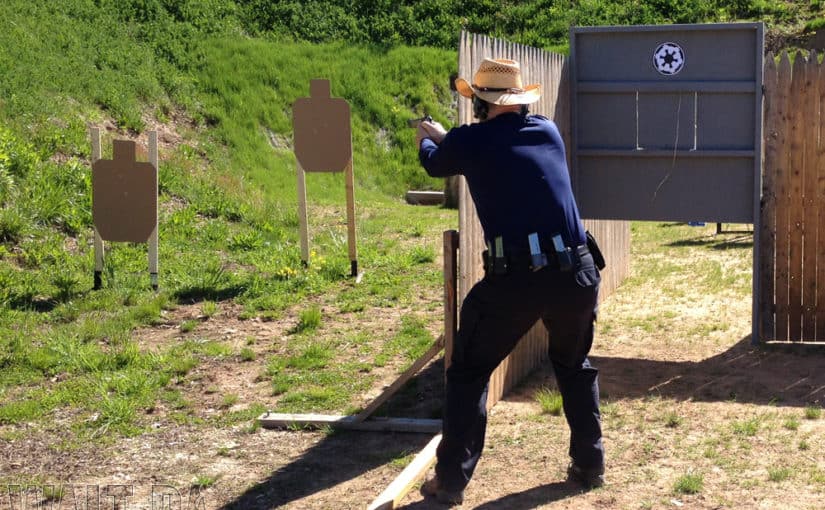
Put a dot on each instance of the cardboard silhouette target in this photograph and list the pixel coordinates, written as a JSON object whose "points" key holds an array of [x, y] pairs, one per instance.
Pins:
{"points": [[125, 200], [323, 143], [124, 195], [323, 133]]}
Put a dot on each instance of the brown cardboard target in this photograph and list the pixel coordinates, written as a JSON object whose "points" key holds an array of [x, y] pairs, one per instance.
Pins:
{"points": [[323, 135], [124, 195]]}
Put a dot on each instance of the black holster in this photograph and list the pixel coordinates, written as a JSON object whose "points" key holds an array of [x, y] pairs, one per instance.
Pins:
{"points": [[593, 246]]}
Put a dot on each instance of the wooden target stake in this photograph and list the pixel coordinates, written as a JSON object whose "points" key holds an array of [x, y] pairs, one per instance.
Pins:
{"points": [[153, 237], [99, 249]]}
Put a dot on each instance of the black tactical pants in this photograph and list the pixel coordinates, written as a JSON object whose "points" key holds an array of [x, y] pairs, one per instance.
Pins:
{"points": [[497, 312]]}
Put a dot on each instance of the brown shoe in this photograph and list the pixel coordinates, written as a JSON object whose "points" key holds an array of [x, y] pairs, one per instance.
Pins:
{"points": [[432, 489], [590, 478]]}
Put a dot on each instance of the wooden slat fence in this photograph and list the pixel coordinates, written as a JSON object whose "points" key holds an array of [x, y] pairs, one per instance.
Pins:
{"points": [[551, 70], [793, 206]]}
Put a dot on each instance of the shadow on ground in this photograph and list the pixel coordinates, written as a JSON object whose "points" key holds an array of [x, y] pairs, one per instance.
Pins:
{"points": [[346, 455], [338, 458], [525, 500], [781, 374]]}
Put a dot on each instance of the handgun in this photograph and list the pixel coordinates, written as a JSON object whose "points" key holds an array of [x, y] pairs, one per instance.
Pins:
{"points": [[414, 123]]}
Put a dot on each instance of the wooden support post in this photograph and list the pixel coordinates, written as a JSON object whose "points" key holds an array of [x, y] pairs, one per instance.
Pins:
{"points": [[98, 241], [402, 379], [415, 471], [153, 237], [353, 251], [302, 214], [450, 297]]}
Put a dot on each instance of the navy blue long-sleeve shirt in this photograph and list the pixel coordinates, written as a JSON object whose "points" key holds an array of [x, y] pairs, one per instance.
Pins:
{"points": [[517, 174]]}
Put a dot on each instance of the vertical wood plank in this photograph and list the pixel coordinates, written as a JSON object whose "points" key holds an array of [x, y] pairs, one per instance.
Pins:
{"points": [[795, 229], [782, 186], [450, 297], [809, 191], [820, 266], [773, 113]]}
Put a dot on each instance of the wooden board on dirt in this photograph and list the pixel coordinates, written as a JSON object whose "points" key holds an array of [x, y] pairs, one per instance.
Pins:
{"points": [[283, 420]]}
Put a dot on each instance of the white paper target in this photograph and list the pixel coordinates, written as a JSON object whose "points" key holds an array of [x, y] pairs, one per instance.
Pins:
{"points": [[669, 58]]}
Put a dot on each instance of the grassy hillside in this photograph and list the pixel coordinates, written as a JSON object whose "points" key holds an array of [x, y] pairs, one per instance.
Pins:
{"points": [[228, 221]]}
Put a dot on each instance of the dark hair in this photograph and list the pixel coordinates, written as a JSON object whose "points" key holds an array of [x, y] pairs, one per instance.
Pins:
{"points": [[481, 108]]}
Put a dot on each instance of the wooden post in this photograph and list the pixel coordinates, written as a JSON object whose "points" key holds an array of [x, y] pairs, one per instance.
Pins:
{"points": [[302, 213], [98, 241], [450, 297], [353, 251], [153, 238]]}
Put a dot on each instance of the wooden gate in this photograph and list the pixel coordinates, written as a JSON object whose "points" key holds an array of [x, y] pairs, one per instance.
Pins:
{"points": [[792, 300]]}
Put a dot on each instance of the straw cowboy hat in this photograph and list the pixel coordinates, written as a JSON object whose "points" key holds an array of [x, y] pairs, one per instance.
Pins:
{"points": [[498, 81]]}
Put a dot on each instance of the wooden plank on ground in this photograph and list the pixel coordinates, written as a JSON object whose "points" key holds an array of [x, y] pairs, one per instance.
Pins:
{"points": [[414, 197], [416, 470], [402, 379], [797, 148], [284, 420], [809, 189]]}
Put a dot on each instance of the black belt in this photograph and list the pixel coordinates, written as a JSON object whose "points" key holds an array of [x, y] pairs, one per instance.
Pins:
{"points": [[522, 262]]}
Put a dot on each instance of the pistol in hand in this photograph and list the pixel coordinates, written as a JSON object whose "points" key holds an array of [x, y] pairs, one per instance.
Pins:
{"points": [[414, 123]]}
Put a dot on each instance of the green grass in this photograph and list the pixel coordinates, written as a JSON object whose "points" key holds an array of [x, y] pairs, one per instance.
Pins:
{"points": [[779, 474], [747, 428], [247, 354], [308, 320], [690, 483], [813, 412], [204, 481], [550, 401]]}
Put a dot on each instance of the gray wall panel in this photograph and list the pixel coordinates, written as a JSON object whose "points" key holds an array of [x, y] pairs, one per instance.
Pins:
{"points": [[716, 54], [715, 190], [659, 115], [607, 121], [726, 121]]}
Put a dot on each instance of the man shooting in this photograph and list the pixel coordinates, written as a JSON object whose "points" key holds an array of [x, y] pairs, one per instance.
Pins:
{"points": [[537, 266]]}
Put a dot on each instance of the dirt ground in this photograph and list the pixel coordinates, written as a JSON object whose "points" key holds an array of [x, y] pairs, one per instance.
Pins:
{"points": [[716, 408]]}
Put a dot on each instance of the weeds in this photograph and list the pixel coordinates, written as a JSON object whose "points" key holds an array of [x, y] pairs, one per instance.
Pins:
{"points": [[690, 483], [813, 412], [779, 474], [204, 481], [550, 401], [308, 320]]}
